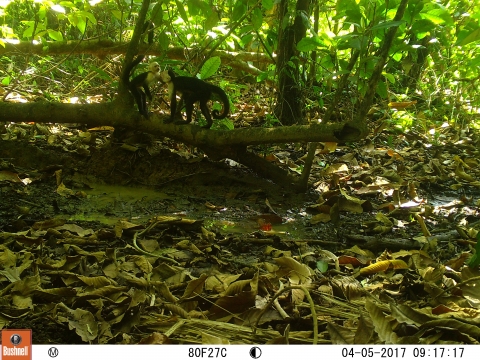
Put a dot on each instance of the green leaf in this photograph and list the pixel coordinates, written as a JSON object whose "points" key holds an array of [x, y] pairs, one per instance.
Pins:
{"points": [[440, 12], [163, 41], [81, 25], [387, 25], [309, 44], [28, 32], [67, 4], [225, 123], [389, 77], [199, 7], [474, 62], [193, 7], [246, 39], [257, 18], [267, 4], [104, 75], [89, 16], [157, 14], [181, 9], [322, 266], [474, 261], [433, 18], [305, 18], [239, 10], [210, 67], [472, 37], [55, 35], [262, 76], [211, 20], [42, 13], [382, 89], [6, 80], [117, 14]]}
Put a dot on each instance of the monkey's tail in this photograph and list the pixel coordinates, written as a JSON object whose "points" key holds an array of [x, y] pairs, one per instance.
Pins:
{"points": [[128, 70], [226, 103]]}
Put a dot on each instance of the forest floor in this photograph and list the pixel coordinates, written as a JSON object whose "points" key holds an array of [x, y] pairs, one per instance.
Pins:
{"points": [[147, 241]]}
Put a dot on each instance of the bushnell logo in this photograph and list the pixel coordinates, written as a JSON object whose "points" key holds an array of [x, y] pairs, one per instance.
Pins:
{"points": [[15, 339]]}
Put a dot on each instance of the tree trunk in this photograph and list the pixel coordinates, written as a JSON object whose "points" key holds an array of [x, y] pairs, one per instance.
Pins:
{"points": [[290, 102]]}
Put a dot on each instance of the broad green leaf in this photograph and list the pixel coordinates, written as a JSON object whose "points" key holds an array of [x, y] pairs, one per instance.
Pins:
{"points": [[104, 75], [55, 35], [354, 17], [67, 4], [117, 14], [442, 13], [472, 37], [211, 20], [81, 25], [225, 123], [199, 7], [309, 44], [387, 25], [322, 266], [474, 261], [193, 7], [210, 67], [305, 19], [413, 10], [389, 77], [422, 26], [246, 39], [181, 10], [28, 32], [73, 18], [2, 43], [157, 14], [437, 20], [89, 16], [267, 4], [257, 18], [163, 41], [397, 56], [239, 10], [42, 13], [348, 41], [6, 80], [474, 62]]}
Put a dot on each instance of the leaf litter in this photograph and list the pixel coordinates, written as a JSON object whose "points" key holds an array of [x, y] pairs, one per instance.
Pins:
{"points": [[102, 243]]}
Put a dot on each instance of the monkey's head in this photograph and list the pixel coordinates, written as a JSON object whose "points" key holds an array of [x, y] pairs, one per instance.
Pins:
{"points": [[164, 77], [154, 67]]}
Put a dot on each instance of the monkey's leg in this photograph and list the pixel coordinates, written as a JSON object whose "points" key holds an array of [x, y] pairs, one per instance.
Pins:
{"points": [[189, 110], [137, 94], [206, 113], [178, 113], [173, 107], [144, 111]]}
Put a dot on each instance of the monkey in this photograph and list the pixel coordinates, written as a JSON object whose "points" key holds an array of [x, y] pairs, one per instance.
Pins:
{"points": [[144, 79], [192, 90]]}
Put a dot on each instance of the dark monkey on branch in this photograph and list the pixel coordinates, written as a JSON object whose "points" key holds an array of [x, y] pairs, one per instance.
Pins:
{"points": [[193, 90], [144, 79]]}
